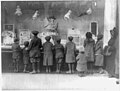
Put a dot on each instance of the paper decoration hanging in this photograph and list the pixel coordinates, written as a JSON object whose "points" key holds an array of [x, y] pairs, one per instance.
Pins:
{"points": [[18, 11], [67, 15], [35, 15]]}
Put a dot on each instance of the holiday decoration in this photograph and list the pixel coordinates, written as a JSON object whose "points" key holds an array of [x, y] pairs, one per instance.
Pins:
{"points": [[88, 12], [35, 15], [18, 11], [67, 15]]}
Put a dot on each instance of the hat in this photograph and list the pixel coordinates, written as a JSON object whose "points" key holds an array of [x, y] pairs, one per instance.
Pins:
{"points": [[35, 32], [70, 38], [47, 38], [52, 17], [26, 43], [100, 36]]}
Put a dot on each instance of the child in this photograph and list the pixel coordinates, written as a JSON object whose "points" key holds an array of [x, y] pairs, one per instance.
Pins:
{"points": [[59, 54], [81, 62], [99, 53], [48, 54], [16, 54], [70, 50], [25, 56], [89, 45], [34, 51]]}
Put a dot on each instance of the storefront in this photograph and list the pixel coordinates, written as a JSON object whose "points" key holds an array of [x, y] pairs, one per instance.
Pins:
{"points": [[18, 19]]}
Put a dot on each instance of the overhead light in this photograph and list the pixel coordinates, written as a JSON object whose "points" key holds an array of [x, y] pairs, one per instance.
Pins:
{"points": [[18, 11], [35, 15]]}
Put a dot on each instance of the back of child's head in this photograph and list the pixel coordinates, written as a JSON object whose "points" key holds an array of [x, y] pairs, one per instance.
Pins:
{"points": [[35, 33], [70, 38], [47, 38], [16, 40], [88, 35], [58, 40], [99, 37], [26, 43]]}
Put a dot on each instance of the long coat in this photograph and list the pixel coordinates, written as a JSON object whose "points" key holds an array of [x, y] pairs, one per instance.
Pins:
{"points": [[110, 60], [48, 54], [34, 47], [89, 49], [16, 51], [99, 53], [70, 49]]}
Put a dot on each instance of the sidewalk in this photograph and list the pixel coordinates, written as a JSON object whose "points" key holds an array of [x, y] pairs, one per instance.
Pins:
{"points": [[22, 81]]}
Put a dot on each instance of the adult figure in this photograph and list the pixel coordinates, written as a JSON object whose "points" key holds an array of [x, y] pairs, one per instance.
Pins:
{"points": [[34, 51], [110, 53]]}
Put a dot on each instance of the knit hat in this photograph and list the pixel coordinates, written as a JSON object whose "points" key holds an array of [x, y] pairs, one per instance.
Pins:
{"points": [[70, 38], [47, 38]]}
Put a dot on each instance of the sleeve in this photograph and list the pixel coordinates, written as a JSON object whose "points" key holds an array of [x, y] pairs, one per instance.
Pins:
{"points": [[84, 43], [62, 48], [19, 48], [40, 45], [65, 49], [30, 46], [78, 57]]}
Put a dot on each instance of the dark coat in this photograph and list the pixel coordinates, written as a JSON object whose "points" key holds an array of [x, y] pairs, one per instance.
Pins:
{"points": [[59, 51], [16, 51], [34, 47]]}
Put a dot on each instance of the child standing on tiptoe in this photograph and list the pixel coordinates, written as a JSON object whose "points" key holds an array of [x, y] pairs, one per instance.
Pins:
{"points": [[99, 53], [48, 54], [70, 50], [16, 54], [59, 54], [25, 56], [89, 45]]}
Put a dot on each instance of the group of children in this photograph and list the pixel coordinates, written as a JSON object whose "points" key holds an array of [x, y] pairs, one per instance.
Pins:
{"points": [[91, 54]]}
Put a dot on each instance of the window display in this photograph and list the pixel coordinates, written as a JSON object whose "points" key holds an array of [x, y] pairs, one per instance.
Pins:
{"points": [[8, 34], [24, 35]]}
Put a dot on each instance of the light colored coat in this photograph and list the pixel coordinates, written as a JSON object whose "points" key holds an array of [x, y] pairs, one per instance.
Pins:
{"points": [[99, 53], [70, 49]]}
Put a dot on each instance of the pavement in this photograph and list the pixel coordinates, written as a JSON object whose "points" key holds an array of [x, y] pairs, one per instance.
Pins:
{"points": [[61, 82]]}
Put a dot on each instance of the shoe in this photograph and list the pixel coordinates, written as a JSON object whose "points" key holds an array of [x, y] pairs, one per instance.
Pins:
{"points": [[68, 72], [38, 71], [57, 71], [33, 72]]}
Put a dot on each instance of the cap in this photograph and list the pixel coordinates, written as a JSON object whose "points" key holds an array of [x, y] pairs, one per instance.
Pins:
{"points": [[70, 38], [35, 32], [47, 38]]}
